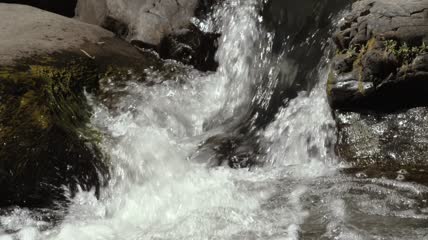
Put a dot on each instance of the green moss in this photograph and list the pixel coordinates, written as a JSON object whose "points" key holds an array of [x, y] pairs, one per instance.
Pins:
{"points": [[38, 95], [404, 52]]}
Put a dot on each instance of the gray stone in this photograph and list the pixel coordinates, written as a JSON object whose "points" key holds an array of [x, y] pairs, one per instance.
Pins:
{"points": [[148, 20], [25, 31]]}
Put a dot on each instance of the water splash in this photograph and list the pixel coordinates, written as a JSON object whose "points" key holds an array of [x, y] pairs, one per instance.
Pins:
{"points": [[156, 192]]}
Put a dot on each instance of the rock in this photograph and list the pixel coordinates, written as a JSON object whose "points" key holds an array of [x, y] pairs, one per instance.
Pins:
{"points": [[192, 47], [381, 62], [385, 145], [61, 7], [181, 40], [377, 88], [234, 150], [302, 30], [32, 32], [205, 7], [45, 143], [148, 20]]}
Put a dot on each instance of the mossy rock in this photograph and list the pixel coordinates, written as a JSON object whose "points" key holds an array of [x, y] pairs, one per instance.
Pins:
{"points": [[47, 145], [381, 64]]}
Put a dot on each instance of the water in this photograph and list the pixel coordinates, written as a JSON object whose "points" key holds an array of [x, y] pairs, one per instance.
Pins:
{"points": [[161, 187]]}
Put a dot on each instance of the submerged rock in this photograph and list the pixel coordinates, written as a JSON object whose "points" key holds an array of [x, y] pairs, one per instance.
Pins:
{"points": [[47, 63]]}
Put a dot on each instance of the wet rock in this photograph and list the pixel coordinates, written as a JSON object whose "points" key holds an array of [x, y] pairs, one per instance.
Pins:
{"points": [[205, 7], [302, 30], [381, 61], [233, 150], [61, 7], [385, 144], [47, 63], [192, 47], [377, 87]]}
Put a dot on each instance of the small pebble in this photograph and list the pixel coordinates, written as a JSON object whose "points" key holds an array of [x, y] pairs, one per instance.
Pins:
{"points": [[402, 171]]}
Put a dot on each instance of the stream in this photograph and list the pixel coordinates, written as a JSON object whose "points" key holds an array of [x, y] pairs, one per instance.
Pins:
{"points": [[170, 175]]}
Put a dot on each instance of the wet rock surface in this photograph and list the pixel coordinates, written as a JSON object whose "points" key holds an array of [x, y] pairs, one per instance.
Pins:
{"points": [[377, 88], [393, 145], [192, 47], [47, 63], [302, 30]]}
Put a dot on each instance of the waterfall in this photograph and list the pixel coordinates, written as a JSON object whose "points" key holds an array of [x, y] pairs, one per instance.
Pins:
{"points": [[150, 134]]}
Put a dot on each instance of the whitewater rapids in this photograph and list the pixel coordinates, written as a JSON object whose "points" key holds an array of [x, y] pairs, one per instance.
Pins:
{"points": [[158, 191]]}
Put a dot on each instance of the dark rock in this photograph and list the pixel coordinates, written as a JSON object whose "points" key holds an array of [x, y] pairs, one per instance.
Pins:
{"points": [[61, 7], [116, 26], [205, 7], [381, 59], [192, 47], [233, 150], [302, 31]]}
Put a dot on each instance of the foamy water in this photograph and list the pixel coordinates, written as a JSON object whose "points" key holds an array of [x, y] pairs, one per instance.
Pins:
{"points": [[157, 190]]}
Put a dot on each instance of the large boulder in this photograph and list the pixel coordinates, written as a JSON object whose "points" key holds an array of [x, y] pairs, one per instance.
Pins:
{"points": [[47, 62], [377, 88], [382, 56]]}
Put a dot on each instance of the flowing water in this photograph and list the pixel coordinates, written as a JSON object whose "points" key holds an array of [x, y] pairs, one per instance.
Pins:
{"points": [[162, 188]]}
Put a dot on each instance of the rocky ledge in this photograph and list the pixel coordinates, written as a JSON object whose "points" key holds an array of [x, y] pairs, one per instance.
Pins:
{"points": [[47, 63], [382, 56], [377, 88]]}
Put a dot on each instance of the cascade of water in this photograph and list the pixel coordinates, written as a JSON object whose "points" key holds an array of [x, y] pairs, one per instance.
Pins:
{"points": [[157, 192]]}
